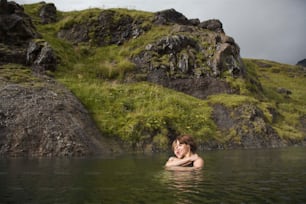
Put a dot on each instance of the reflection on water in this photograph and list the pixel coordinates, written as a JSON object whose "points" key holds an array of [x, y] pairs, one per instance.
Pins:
{"points": [[181, 180], [185, 185], [235, 176]]}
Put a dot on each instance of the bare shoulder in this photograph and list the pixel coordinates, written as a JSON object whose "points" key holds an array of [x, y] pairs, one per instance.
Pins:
{"points": [[199, 162]]}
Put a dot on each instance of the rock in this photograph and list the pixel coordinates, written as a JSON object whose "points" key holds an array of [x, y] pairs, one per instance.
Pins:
{"points": [[77, 33], [227, 58], [284, 91], [245, 126], [41, 56], [48, 13], [213, 25], [302, 63], [181, 62], [45, 119], [12, 54], [16, 28], [110, 28], [171, 16], [173, 44]]}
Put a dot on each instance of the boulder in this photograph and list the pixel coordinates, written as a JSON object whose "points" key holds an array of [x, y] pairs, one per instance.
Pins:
{"points": [[213, 25], [284, 91], [302, 63], [183, 63], [12, 54], [45, 119], [16, 31], [245, 126], [171, 16], [16, 28], [40, 56], [48, 13], [109, 28]]}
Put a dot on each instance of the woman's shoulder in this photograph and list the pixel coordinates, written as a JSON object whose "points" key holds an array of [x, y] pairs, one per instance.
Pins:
{"points": [[199, 162]]}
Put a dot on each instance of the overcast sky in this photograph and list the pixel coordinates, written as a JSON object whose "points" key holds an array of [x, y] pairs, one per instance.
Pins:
{"points": [[264, 29]]}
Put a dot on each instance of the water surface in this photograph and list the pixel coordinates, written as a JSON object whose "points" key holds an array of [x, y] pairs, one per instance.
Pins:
{"points": [[229, 176]]}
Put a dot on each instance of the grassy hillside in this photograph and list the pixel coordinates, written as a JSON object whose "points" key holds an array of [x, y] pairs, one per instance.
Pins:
{"points": [[275, 79], [143, 112]]}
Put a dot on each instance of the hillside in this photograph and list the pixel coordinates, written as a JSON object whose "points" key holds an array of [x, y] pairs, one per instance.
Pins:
{"points": [[144, 78]]}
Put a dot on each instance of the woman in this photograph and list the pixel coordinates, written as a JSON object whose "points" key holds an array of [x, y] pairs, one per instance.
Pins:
{"points": [[184, 148]]}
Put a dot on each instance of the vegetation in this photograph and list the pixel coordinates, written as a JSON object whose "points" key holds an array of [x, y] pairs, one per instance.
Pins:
{"points": [[142, 112]]}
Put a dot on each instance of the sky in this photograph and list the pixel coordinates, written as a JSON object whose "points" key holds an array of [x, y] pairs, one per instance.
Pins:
{"points": [[273, 30]]}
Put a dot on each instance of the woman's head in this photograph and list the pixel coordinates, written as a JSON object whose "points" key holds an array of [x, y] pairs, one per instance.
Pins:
{"points": [[183, 145]]}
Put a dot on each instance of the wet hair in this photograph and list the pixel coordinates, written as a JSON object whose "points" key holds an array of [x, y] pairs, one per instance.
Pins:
{"points": [[186, 139]]}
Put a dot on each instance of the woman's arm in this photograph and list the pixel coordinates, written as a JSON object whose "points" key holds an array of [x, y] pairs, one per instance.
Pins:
{"points": [[173, 161], [198, 162]]}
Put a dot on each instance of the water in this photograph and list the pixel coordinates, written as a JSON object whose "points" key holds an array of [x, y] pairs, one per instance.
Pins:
{"points": [[232, 176]]}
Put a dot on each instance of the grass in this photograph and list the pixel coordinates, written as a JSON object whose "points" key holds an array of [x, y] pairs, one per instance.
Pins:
{"points": [[18, 74], [273, 75], [141, 111]]}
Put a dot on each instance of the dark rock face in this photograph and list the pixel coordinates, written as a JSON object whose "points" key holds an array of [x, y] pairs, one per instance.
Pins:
{"points": [[16, 27], [302, 63], [45, 120], [16, 39], [12, 54], [213, 25], [77, 33], [190, 66], [171, 16], [110, 28], [247, 127], [48, 13], [41, 57]]}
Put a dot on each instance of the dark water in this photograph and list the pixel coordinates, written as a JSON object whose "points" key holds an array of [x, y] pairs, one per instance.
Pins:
{"points": [[233, 176]]}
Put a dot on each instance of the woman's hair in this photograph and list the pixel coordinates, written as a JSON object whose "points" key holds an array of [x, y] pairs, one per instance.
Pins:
{"points": [[186, 139]]}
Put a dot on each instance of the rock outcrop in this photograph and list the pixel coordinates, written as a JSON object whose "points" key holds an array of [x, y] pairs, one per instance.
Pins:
{"points": [[302, 63], [38, 116], [245, 126], [19, 40], [16, 27], [191, 59], [109, 28], [41, 57], [191, 66], [48, 13], [171, 16], [45, 119]]}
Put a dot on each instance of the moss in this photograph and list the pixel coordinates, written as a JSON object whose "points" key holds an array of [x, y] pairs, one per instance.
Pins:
{"points": [[18, 74], [131, 111], [291, 107], [230, 100]]}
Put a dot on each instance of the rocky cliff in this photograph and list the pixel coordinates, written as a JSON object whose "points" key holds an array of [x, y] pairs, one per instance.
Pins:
{"points": [[95, 51], [42, 118], [38, 116]]}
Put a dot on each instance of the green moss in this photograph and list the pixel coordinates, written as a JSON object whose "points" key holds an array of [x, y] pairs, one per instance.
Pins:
{"points": [[132, 111], [272, 76], [230, 100], [78, 17], [18, 74]]}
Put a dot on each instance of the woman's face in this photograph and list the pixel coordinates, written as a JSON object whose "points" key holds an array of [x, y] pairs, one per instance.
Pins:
{"points": [[180, 150]]}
